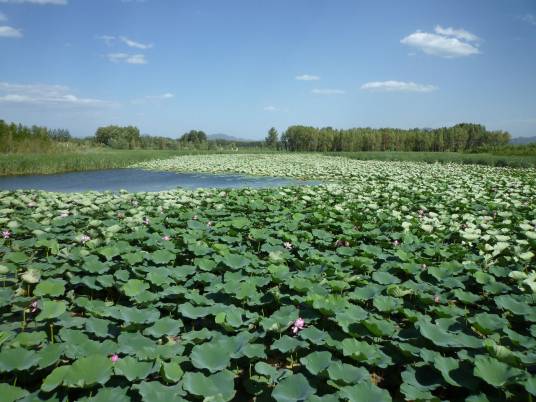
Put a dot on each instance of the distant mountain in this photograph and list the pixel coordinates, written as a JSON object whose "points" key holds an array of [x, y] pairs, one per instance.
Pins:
{"points": [[226, 137], [523, 140]]}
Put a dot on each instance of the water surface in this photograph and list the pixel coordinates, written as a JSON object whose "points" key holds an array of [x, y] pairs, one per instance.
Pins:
{"points": [[137, 180]]}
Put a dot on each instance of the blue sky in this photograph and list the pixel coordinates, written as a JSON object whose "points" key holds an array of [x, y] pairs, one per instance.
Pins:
{"points": [[242, 66]]}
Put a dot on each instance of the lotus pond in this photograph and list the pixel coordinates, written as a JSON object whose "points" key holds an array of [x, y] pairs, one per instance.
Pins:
{"points": [[397, 281]]}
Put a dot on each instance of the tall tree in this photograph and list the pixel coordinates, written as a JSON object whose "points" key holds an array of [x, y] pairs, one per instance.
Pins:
{"points": [[272, 138]]}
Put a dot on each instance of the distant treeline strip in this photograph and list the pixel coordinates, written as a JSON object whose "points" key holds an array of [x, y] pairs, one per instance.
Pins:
{"points": [[459, 138]]}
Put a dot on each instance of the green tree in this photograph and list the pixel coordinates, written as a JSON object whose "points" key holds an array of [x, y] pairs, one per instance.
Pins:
{"points": [[272, 139]]}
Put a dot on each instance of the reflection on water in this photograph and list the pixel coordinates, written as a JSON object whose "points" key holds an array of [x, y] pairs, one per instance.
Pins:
{"points": [[136, 180]]}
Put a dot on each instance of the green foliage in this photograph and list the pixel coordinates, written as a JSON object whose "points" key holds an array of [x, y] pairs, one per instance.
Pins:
{"points": [[458, 138]]}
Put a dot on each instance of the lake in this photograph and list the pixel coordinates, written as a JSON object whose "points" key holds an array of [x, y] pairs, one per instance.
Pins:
{"points": [[138, 180]]}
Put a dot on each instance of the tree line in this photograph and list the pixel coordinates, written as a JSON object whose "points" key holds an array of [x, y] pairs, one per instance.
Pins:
{"points": [[17, 138], [463, 137]]}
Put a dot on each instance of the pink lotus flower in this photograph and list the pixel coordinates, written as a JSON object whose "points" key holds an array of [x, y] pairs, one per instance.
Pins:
{"points": [[6, 234], [437, 299], [396, 243], [114, 358], [298, 325], [166, 238], [33, 306], [210, 223], [145, 221], [287, 245], [424, 266], [84, 239]]}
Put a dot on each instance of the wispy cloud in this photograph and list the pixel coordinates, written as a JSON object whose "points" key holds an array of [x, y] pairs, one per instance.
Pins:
{"points": [[167, 95], [445, 42], [137, 45], [397, 86], [528, 18], [270, 108], [3, 17], [127, 58], [46, 95], [153, 98], [10, 32], [307, 77], [459, 33], [327, 91], [107, 39], [42, 2]]}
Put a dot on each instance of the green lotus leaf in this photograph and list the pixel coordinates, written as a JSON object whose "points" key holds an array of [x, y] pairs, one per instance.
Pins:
{"points": [[51, 309], [530, 385], [101, 328], [235, 261], [217, 387], [509, 303], [384, 278], [365, 392], [49, 355], [172, 372], [164, 326], [17, 257], [133, 369], [55, 378], [446, 366], [17, 359], [316, 362], [162, 257], [286, 344], [93, 265], [378, 327], [29, 338], [88, 371], [11, 393], [211, 356], [114, 394], [154, 391], [495, 372], [292, 389], [488, 323], [189, 311], [134, 287], [346, 373], [50, 287]]}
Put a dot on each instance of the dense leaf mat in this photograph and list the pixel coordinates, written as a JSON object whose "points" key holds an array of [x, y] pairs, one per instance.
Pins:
{"points": [[400, 281]]}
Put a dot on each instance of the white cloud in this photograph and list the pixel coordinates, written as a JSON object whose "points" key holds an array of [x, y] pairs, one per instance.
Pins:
{"points": [[307, 77], [167, 95], [127, 58], [459, 33], [327, 91], [446, 42], [528, 18], [270, 108], [137, 45], [42, 2], [108, 39], [10, 32], [397, 86], [46, 95], [3, 17], [153, 98]]}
